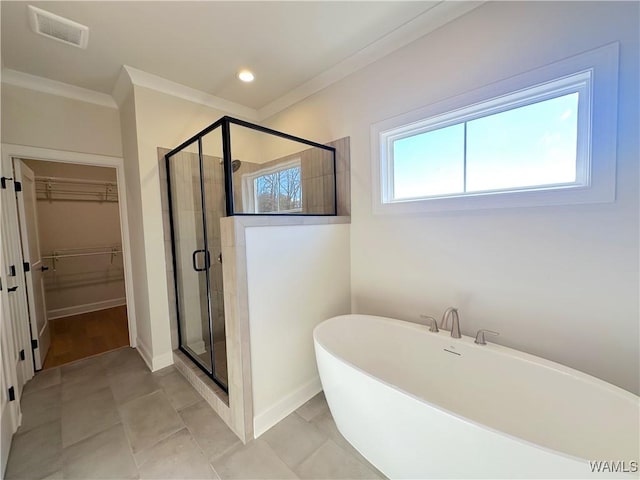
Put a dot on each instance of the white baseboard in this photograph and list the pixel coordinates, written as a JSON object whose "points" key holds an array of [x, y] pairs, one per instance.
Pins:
{"points": [[144, 353], [86, 308], [267, 419], [154, 363], [162, 361]]}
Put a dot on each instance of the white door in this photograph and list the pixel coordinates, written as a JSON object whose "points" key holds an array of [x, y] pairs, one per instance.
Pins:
{"points": [[9, 404], [17, 330], [40, 332]]}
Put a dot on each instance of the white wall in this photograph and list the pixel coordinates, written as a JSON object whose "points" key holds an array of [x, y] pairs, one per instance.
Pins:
{"points": [[559, 282], [297, 277], [49, 121], [136, 233]]}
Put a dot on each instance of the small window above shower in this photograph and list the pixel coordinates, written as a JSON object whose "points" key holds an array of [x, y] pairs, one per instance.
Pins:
{"points": [[276, 189]]}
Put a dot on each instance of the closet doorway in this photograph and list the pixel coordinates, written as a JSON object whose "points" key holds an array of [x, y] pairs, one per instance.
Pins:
{"points": [[60, 178], [78, 238]]}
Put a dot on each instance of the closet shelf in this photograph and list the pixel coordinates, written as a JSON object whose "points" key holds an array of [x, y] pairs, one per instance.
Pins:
{"points": [[59, 188], [59, 254]]}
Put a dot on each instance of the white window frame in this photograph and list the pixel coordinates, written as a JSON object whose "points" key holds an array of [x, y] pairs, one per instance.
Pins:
{"points": [[594, 74], [248, 185]]}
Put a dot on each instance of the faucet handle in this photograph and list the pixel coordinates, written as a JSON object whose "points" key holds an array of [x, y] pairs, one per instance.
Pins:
{"points": [[432, 322], [480, 340]]}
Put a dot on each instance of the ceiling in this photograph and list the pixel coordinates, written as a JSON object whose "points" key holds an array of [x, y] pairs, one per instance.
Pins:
{"points": [[203, 44]]}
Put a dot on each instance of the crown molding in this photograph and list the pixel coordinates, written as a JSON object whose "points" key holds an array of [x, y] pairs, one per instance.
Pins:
{"points": [[122, 87], [434, 17], [428, 21], [140, 78], [53, 87]]}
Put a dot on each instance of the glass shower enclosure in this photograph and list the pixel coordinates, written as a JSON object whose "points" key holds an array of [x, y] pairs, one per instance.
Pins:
{"points": [[232, 167]]}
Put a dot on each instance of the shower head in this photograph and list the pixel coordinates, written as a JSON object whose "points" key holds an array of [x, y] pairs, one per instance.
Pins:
{"points": [[235, 164]]}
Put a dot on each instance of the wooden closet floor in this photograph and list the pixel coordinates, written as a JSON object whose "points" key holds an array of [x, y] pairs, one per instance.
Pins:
{"points": [[81, 336]]}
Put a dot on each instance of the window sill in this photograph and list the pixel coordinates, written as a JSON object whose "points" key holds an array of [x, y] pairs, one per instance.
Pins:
{"points": [[499, 200]]}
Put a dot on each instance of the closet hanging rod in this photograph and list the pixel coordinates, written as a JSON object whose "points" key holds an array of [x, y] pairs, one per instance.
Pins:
{"points": [[75, 192], [67, 255], [99, 247], [78, 181], [56, 257]]}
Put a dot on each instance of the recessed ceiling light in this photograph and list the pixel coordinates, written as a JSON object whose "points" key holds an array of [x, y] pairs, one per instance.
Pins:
{"points": [[245, 76]]}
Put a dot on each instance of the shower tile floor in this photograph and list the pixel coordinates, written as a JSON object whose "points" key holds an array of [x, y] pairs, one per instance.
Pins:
{"points": [[109, 417]]}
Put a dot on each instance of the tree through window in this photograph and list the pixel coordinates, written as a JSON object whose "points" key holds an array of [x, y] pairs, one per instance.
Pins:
{"points": [[278, 191]]}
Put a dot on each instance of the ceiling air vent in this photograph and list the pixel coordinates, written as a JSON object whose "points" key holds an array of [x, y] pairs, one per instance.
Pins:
{"points": [[58, 28]]}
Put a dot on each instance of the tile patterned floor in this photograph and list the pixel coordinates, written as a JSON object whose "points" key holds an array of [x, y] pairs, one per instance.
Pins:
{"points": [[108, 417]]}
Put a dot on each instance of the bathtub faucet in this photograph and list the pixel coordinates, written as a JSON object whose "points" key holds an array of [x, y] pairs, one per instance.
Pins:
{"points": [[432, 322], [480, 340], [455, 321]]}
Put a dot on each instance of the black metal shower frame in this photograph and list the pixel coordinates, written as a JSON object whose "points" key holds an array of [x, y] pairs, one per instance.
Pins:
{"points": [[225, 124]]}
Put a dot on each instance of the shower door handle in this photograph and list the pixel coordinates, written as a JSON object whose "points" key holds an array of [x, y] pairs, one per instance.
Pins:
{"points": [[207, 260]]}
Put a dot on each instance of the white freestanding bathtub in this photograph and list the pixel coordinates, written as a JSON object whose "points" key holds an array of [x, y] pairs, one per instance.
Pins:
{"points": [[418, 404]]}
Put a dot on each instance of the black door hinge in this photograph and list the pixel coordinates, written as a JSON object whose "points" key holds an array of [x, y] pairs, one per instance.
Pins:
{"points": [[22, 357], [26, 266], [12, 289], [3, 181], [18, 186], [34, 344], [12, 271], [12, 394]]}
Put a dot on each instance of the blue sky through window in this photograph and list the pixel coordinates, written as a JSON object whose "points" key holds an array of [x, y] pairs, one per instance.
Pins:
{"points": [[430, 163], [523, 147]]}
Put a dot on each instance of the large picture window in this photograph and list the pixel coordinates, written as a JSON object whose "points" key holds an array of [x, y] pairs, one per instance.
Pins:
{"points": [[531, 146], [517, 143]]}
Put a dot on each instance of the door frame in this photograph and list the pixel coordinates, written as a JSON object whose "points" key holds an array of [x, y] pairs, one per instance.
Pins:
{"points": [[11, 151]]}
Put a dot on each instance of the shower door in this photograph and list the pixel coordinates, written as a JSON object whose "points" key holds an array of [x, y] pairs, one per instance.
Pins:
{"points": [[195, 199]]}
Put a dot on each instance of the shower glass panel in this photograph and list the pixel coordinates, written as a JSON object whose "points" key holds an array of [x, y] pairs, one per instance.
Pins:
{"points": [[215, 208], [276, 175], [196, 197]]}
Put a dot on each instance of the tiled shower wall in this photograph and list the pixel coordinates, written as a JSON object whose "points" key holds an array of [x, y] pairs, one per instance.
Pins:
{"points": [[185, 171], [187, 201], [216, 209]]}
